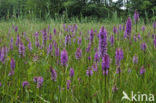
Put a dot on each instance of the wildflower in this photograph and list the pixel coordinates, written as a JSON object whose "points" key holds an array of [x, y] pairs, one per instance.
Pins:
{"points": [[89, 72], [18, 40], [88, 48], [129, 27], [57, 52], [105, 64], [64, 57], [21, 49], [25, 83], [143, 46], [136, 16], [143, 28], [12, 66], [11, 44], [135, 38], [67, 40], [71, 72], [91, 35], [94, 66], [120, 27], [50, 37], [118, 56], [49, 50], [79, 41], [68, 84], [154, 41], [142, 70], [53, 74], [30, 46], [114, 89], [112, 40], [135, 59], [96, 57], [39, 80], [54, 31], [16, 28], [102, 42], [78, 53], [115, 30]]}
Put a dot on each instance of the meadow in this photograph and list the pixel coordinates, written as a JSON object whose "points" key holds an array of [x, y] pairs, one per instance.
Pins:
{"points": [[90, 62]]}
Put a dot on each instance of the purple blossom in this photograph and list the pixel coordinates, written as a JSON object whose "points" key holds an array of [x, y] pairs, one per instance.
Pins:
{"points": [[112, 40], [53, 74], [96, 57], [154, 41], [142, 70], [135, 59], [91, 35], [120, 27], [105, 72], [114, 89], [143, 46], [16, 29], [71, 72], [115, 30], [78, 53], [105, 64], [12, 66], [30, 46], [2, 55], [18, 40], [89, 72], [135, 38], [118, 56], [139, 36], [21, 49], [11, 44], [25, 83], [129, 27], [50, 48], [44, 37], [125, 34], [94, 67], [88, 48], [57, 53], [143, 28], [54, 31], [64, 57], [67, 39], [50, 37], [55, 44], [39, 80], [0, 84], [68, 84], [79, 41], [102, 42], [89, 58], [136, 16]]}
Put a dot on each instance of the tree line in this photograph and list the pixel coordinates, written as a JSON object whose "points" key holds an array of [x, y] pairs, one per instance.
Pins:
{"points": [[76, 8]]}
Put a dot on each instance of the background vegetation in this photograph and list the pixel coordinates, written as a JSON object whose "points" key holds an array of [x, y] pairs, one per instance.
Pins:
{"points": [[66, 9]]}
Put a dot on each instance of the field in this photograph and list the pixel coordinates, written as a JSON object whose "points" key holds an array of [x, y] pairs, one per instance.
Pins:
{"points": [[53, 62]]}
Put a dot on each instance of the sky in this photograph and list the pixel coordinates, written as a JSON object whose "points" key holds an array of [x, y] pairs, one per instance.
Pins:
{"points": [[115, 0]]}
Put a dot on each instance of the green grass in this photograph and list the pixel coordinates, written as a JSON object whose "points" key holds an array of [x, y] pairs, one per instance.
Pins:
{"points": [[80, 91]]}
